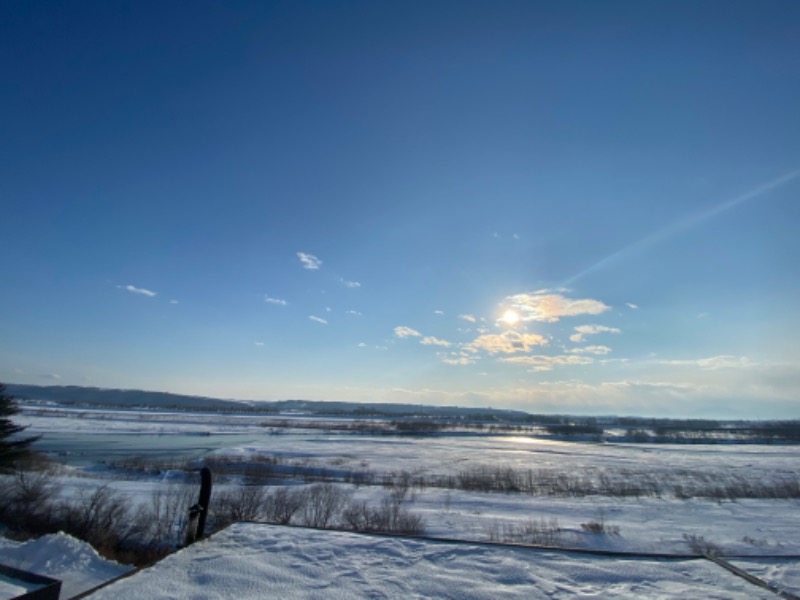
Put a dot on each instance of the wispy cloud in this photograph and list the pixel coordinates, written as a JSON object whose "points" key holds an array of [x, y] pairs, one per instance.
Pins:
{"points": [[53, 376], [278, 301], [438, 312], [496, 235], [584, 330], [724, 361], [470, 318], [174, 302], [258, 343], [404, 332], [350, 284], [548, 363], [457, 358], [362, 345], [549, 307], [433, 341], [309, 261], [508, 342], [591, 350], [355, 313], [318, 319], [631, 305], [140, 291]]}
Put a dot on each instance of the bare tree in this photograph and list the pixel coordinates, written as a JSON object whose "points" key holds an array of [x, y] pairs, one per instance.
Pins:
{"points": [[323, 502], [282, 504]]}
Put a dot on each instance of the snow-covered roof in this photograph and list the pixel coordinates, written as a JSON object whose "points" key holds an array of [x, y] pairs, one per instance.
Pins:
{"points": [[250, 560]]}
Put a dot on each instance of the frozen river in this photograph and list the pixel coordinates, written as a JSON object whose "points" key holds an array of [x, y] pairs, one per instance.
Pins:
{"points": [[81, 449]]}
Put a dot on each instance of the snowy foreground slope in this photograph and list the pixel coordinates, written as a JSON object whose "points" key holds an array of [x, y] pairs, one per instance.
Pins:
{"points": [[267, 561]]}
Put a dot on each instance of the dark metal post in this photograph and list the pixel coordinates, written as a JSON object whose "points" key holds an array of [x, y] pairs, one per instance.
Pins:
{"points": [[204, 501], [191, 525]]}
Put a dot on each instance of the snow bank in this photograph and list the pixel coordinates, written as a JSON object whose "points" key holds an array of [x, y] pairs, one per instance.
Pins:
{"points": [[63, 557], [266, 561]]}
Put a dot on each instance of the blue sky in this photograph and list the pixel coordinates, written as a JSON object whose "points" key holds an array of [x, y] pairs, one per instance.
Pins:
{"points": [[575, 207]]}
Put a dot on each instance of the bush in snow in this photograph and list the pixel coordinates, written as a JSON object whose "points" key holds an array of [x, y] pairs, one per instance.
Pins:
{"points": [[700, 545], [281, 505], [102, 517], [544, 532], [322, 504], [28, 503], [244, 503]]}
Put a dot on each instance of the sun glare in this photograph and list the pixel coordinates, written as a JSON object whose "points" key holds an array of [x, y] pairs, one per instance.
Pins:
{"points": [[510, 317]]}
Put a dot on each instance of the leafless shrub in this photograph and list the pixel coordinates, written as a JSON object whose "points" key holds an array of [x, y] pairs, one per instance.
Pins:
{"points": [[408, 523], [161, 523], [281, 505], [28, 502], [393, 506], [623, 483], [29, 506], [755, 542], [359, 516], [101, 517], [400, 489], [700, 545], [390, 516], [244, 503], [544, 532], [360, 477], [600, 527], [323, 502], [490, 479]]}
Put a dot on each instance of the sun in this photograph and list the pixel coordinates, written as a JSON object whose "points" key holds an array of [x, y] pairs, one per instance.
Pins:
{"points": [[510, 317]]}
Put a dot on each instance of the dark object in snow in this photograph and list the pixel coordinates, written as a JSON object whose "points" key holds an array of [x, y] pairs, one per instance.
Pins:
{"points": [[46, 588], [204, 500], [196, 525], [191, 525]]}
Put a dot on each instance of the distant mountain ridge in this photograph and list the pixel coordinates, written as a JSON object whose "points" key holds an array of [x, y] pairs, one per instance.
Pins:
{"points": [[75, 394], [92, 396]]}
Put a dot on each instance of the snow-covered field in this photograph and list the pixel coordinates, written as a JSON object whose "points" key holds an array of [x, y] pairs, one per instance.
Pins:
{"points": [[753, 527]]}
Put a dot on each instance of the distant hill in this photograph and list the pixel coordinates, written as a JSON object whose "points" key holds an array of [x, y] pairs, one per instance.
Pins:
{"points": [[630, 429], [92, 396]]}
